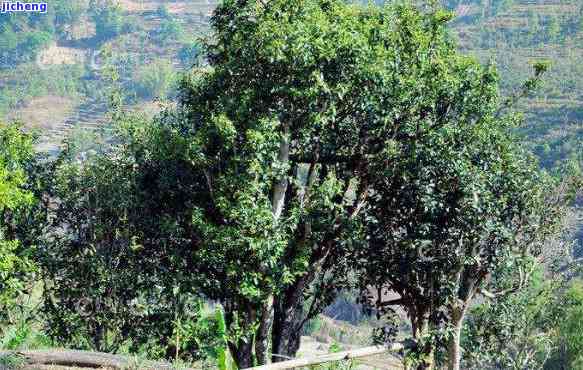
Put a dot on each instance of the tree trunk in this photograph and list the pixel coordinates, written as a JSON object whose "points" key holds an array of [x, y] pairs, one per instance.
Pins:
{"points": [[242, 350], [286, 335], [420, 328], [280, 187], [262, 336], [454, 348], [242, 353], [270, 320], [291, 313]]}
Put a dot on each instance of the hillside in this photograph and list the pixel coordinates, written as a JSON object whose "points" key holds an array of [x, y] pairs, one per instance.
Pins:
{"points": [[514, 34], [62, 61], [64, 47]]}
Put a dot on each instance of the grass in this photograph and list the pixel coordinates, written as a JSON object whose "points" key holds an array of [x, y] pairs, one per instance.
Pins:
{"points": [[11, 362]]}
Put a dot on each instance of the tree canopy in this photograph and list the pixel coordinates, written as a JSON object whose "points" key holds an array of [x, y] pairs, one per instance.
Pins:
{"points": [[304, 106]]}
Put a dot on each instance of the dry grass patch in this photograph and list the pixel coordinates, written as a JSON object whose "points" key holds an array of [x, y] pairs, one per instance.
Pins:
{"points": [[176, 7], [43, 113]]}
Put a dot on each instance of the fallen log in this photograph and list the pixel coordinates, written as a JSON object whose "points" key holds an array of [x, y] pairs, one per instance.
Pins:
{"points": [[333, 357], [83, 359]]}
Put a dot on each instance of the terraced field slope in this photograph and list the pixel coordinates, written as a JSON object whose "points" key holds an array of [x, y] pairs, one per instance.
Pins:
{"points": [[516, 33]]}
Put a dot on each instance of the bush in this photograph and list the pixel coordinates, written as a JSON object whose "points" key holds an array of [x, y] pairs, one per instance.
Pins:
{"points": [[108, 19], [170, 30], [155, 80], [190, 54], [114, 277]]}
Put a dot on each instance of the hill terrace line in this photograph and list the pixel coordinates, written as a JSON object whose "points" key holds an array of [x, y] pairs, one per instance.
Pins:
{"points": [[17, 7]]}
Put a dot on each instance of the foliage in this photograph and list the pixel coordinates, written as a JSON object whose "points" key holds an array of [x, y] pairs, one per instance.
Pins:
{"points": [[516, 331], [190, 54], [155, 80], [170, 30], [537, 328], [521, 32], [67, 13], [460, 204], [570, 325], [319, 129], [26, 82], [222, 356], [11, 361], [22, 37], [18, 47], [114, 278], [108, 19], [24, 335], [16, 157], [281, 134]]}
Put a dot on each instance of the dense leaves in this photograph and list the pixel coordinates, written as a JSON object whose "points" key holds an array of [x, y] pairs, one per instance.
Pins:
{"points": [[323, 142], [15, 198], [117, 257], [302, 100], [463, 203]]}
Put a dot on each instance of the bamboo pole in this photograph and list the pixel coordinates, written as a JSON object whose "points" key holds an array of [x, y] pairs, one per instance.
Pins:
{"points": [[332, 357]]}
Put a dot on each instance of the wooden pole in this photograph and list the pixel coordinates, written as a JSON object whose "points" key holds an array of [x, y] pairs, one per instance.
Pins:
{"points": [[82, 359], [332, 357]]}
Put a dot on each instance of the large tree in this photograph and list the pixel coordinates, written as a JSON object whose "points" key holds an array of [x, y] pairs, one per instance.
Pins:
{"points": [[283, 129], [464, 204]]}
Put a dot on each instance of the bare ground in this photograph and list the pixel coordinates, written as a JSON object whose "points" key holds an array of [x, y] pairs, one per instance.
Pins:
{"points": [[43, 112]]}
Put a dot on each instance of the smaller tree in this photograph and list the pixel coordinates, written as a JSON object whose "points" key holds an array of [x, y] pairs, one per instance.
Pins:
{"points": [[112, 262], [16, 155], [464, 203], [108, 19], [155, 80]]}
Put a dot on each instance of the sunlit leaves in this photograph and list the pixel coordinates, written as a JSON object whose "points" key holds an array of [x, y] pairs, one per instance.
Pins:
{"points": [[15, 196]]}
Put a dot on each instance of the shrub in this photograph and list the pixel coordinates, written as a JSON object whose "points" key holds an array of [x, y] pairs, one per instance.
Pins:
{"points": [[155, 80], [190, 54], [108, 19]]}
